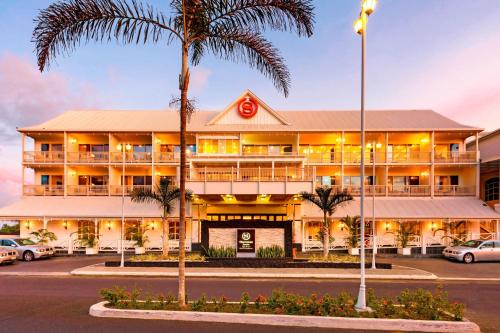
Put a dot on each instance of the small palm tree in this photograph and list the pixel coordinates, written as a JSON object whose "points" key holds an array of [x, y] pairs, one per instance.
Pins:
{"points": [[43, 236], [230, 30], [353, 225], [164, 195], [328, 200]]}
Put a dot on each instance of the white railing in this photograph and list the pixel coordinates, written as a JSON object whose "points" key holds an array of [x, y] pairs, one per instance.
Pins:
{"points": [[455, 157], [250, 174], [87, 189], [434, 240], [131, 157], [118, 189], [409, 190], [43, 157], [454, 190], [88, 157], [483, 236], [43, 190]]}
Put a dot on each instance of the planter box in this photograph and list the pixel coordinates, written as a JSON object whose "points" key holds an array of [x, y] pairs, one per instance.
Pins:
{"points": [[405, 251], [91, 251], [140, 250], [247, 263], [354, 324], [354, 251]]}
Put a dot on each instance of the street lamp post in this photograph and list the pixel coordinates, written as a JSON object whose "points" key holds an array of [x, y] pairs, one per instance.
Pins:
{"points": [[123, 148], [374, 147], [367, 8]]}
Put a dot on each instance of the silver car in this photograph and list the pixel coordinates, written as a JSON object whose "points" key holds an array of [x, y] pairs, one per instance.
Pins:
{"points": [[7, 255], [474, 250], [28, 250]]}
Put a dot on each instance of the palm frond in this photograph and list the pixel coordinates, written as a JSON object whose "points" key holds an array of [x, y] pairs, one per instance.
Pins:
{"points": [[175, 102], [252, 48], [145, 195], [66, 24], [280, 15]]}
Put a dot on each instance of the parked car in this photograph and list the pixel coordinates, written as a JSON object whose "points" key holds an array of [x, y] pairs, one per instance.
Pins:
{"points": [[474, 250], [7, 255], [28, 250]]}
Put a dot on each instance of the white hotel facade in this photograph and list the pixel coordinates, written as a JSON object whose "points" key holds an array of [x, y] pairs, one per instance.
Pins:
{"points": [[247, 163]]}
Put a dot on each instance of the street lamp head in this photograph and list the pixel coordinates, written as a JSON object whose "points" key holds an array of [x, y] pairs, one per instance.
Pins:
{"points": [[368, 6], [358, 26]]}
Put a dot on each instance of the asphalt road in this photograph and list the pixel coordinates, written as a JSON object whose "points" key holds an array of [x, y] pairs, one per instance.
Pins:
{"points": [[60, 304]]}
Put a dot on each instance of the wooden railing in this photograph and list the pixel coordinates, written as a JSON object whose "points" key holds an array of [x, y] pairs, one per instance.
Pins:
{"points": [[455, 157], [250, 174], [43, 190], [454, 190]]}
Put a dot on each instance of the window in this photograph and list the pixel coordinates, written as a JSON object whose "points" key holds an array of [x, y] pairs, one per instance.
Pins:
{"points": [[141, 180], [173, 229], [491, 192], [7, 242], [93, 180], [44, 180], [129, 228], [446, 180], [487, 245], [403, 180], [85, 228], [45, 147]]}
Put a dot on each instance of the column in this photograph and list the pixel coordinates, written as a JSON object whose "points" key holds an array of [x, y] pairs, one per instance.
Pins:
{"points": [[478, 167], [386, 163], [65, 147], [342, 161], [431, 177]]}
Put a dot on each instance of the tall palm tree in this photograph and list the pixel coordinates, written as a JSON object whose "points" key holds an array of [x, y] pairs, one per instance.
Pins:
{"points": [[328, 200], [230, 29], [164, 195]]}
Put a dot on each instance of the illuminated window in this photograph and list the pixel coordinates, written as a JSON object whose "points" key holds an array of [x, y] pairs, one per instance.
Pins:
{"points": [[491, 191]]}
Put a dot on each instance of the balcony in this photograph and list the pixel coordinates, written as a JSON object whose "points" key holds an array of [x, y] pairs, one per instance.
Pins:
{"points": [[455, 157], [409, 190], [131, 157], [454, 190], [128, 189], [88, 157], [330, 157], [166, 157], [43, 157], [250, 180], [409, 157], [43, 190], [97, 190]]}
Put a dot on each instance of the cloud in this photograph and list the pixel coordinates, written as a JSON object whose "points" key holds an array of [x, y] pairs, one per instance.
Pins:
{"points": [[199, 79], [28, 97]]}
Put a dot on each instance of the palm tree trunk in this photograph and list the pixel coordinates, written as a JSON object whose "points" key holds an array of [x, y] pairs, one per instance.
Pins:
{"points": [[165, 236], [182, 185], [326, 237]]}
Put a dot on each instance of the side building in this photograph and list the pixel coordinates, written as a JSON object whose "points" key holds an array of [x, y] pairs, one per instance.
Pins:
{"points": [[247, 165]]}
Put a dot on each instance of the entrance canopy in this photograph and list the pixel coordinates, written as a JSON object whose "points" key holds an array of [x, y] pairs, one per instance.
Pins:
{"points": [[412, 208], [79, 208]]}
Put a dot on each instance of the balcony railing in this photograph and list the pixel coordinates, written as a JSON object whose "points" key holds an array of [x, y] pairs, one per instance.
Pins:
{"points": [[454, 190], [87, 189], [409, 157], [250, 174], [43, 190], [43, 157], [166, 157], [131, 157], [88, 157], [409, 190], [455, 157], [118, 189]]}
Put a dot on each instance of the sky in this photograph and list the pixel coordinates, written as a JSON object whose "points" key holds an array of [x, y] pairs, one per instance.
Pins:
{"points": [[425, 54]]}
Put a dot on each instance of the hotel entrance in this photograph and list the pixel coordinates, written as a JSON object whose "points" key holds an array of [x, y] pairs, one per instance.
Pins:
{"points": [[246, 233]]}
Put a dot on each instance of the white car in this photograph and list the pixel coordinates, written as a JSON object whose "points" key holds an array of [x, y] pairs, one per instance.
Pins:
{"points": [[26, 249], [474, 250], [7, 255]]}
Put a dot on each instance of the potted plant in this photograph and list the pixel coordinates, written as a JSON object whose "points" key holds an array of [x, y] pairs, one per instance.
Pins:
{"points": [[139, 237], [353, 225], [403, 236], [43, 236], [89, 240]]}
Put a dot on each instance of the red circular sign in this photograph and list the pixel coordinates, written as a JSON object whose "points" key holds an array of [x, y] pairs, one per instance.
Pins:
{"points": [[247, 108]]}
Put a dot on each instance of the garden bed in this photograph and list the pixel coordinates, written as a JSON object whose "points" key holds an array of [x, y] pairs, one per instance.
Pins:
{"points": [[247, 263], [418, 310]]}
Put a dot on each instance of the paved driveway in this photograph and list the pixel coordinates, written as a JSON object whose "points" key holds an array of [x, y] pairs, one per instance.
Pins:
{"points": [[444, 268], [55, 264]]}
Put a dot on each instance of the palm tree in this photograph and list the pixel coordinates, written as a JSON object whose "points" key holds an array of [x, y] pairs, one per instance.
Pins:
{"points": [[353, 225], [43, 236], [230, 29], [328, 200], [164, 195]]}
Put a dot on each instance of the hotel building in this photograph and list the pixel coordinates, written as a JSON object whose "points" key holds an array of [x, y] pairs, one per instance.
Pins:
{"points": [[247, 163]]}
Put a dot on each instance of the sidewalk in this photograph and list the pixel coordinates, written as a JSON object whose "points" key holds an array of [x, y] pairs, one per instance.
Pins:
{"points": [[396, 273]]}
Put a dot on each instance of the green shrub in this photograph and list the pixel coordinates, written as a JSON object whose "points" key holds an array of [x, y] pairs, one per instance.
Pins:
{"points": [[244, 302], [334, 258], [274, 251], [200, 304], [221, 252], [171, 257]]}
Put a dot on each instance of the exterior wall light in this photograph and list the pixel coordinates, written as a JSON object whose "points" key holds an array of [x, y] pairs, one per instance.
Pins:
{"points": [[65, 225], [108, 225], [433, 226], [387, 226], [153, 225], [72, 140], [27, 224], [342, 226]]}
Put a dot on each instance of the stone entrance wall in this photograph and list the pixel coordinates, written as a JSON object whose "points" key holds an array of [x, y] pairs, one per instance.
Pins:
{"points": [[267, 233]]}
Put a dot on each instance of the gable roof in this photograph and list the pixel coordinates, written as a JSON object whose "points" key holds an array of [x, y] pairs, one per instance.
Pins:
{"points": [[248, 94]]}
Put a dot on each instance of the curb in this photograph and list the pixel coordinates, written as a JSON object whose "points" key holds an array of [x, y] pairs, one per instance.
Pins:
{"points": [[400, 325], [247, 275], [35, 274]]}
